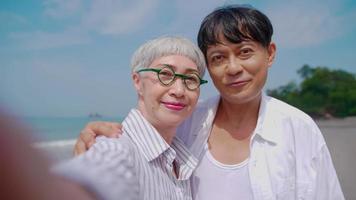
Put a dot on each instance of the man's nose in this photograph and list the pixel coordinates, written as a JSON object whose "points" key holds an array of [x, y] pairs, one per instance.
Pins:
{"points": [[234, 66]]}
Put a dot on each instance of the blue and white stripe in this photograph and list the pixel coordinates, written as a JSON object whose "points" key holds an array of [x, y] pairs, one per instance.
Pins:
{"points": [[156, 157], [139, 165]]}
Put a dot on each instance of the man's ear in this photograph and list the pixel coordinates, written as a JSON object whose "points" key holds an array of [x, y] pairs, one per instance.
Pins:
{"points": [[137, 82], [271, 53]]}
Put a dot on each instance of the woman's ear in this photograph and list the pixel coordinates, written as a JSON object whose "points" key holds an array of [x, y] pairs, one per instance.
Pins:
{"points": [[271, 53], [137, 82]]}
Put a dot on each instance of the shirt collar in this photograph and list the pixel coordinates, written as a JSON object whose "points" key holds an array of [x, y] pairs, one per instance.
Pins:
{"points": [[186, 161], [266, 127], [144, 135], [152, 145]]}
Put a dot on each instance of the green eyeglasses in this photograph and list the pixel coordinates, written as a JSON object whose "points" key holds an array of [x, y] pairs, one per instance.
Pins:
{"points": [[166, 75]]}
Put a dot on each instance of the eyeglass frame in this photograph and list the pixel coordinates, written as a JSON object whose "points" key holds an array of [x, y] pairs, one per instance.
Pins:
{"points": [[182, 76]]}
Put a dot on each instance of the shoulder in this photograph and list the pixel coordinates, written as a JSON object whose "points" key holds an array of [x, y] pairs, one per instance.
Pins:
{"points": [[103, 143], [207, 104], [285, 112], [104, 153], [108, 162], [295, 126], [111, 150], [203, 113], [107, 159], [205, 108]]}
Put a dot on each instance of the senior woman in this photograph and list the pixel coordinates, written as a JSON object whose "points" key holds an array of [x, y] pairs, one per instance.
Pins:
{"points": [[166, 74]]}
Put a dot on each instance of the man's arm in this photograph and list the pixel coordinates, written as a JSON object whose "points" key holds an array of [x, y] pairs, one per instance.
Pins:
{"points": [[327, 182], [112, 129], [93, 129]]}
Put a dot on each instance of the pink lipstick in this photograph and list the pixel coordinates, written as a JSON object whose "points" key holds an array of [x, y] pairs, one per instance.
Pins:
{"points": [[174, 106]]}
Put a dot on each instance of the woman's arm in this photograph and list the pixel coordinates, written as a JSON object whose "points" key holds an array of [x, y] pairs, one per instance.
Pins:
{"points": [[24, 170]]}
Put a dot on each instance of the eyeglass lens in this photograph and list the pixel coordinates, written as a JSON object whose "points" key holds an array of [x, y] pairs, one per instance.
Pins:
{"points": [[167, 76]]}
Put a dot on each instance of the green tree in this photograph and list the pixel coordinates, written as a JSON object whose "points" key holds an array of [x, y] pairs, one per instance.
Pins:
{"points": [[321, 92], [306, 71]]}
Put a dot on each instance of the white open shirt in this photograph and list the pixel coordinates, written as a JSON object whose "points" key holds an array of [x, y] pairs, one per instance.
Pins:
{"points": [[289, 158]]}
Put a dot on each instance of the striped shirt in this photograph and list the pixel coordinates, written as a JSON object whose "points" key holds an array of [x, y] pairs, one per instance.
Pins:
{"points": [[139, 165]]}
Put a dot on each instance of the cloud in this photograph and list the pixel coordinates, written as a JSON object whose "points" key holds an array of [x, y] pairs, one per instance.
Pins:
{"points": [[39, 40], [188, 16], [59, 9], [106, 17], [115, 17], [304, 24]]}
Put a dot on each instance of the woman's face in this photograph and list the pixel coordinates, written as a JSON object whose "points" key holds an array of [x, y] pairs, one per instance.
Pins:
{"points": [[166, 105], [239, 70]]}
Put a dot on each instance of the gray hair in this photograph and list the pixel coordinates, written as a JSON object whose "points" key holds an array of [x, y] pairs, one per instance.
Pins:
{"points": [[166, 46]]}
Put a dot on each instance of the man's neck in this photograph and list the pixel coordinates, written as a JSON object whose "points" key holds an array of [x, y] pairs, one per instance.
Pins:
{"points": [[239, 115]]}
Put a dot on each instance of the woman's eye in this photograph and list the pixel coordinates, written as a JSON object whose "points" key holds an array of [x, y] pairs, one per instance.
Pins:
{"points": [[192, 78], [164, 73]]}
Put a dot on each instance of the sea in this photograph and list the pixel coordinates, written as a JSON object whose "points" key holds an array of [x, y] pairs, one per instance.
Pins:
{"points": [[56, 136], [60, 131]]}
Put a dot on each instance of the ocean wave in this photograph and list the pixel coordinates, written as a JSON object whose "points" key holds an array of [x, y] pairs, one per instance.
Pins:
{"points": [[57, 143]]}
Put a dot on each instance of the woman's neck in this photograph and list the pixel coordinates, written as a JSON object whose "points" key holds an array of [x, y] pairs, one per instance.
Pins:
{"points": [[167, 132]]}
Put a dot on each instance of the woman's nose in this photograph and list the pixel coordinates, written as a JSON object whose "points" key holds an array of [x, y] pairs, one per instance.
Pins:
{"points": [[177, 88]]}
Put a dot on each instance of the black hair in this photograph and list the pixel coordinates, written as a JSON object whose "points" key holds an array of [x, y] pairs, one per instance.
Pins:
{"points": [[236, 23]]}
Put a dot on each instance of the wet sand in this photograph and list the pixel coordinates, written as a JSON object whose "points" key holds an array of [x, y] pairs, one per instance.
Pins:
{"points": [[340, 136]]}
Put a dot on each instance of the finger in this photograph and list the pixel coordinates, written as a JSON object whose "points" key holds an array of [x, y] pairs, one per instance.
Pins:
{"points": [[108, 129], [79, 148], [87, 136], [118, 129], [103, 128], [90, 144], [117, 125]]}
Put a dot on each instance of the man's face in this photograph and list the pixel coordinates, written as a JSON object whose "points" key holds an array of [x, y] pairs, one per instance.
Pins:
{"points": [[239, 70]]}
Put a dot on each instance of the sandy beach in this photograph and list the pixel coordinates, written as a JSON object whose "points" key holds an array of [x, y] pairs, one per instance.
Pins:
{"points": [[340, 136]]}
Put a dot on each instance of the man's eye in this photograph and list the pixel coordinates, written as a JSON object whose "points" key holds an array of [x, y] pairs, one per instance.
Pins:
{"points": [[217, 58], [246, 52]]}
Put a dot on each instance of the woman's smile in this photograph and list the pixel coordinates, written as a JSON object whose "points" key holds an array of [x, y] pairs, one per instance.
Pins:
{"points": [[174, 105]]}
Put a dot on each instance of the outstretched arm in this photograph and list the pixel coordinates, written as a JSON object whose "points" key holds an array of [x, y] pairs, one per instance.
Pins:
{"points": [[93, 129], [24, 170]]}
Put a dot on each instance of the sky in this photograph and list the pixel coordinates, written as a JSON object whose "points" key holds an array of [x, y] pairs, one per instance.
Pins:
{"points": [[64, 58]]}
